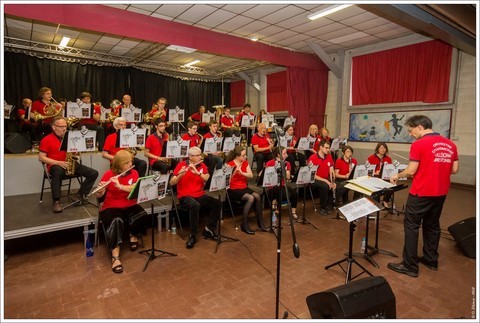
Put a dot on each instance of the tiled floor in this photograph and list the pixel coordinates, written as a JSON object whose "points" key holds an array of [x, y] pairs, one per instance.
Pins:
{"points": [[48, 276]]}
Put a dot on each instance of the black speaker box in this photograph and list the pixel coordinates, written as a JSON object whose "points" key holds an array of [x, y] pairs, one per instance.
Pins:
{"points": [[464, 233], [366, 298], [15, 143]]}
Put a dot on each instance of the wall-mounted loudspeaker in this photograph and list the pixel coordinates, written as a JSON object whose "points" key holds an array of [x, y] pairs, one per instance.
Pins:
{"points": [[464, 233], [15, 143], [366, 298]]}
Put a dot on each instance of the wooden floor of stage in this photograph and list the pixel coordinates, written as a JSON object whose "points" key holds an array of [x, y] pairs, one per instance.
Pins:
{"points": [[48, 276]]}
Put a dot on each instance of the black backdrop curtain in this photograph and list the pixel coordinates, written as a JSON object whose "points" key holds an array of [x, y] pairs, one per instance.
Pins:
{"points": [[24, 75]]}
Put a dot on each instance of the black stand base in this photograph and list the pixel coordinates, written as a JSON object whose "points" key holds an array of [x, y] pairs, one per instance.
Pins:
{"points": [[151, 252], [304, 219], [220, 238], [78, 203]]}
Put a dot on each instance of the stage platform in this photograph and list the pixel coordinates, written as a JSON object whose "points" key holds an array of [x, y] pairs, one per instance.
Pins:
{"points": [[24, 215]]}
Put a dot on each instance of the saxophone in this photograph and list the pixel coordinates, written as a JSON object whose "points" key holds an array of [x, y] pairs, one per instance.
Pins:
{"points": [[72, 159]]}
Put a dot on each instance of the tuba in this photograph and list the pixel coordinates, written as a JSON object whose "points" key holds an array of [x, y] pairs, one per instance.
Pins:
{"points": [[72, 159], [114, 106]]}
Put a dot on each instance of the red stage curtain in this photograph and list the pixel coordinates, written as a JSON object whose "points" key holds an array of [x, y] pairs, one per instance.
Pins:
{"points": [[277, 92], [419, 72], [307, 97], [237, 94]]}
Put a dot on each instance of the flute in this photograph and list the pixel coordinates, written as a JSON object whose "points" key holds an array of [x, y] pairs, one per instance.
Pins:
{"points": [[100, 187]]}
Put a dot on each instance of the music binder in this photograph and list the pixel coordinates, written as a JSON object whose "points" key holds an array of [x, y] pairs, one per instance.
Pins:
{"points": [[368, 185]]}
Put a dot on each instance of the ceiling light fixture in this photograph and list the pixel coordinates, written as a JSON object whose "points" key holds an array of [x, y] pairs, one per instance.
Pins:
{"points": [[327, 11], [64, 41], [181, 49], [192, 63], [254, 38]]}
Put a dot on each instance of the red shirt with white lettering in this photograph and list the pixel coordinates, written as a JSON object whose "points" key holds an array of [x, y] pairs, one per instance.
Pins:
{"points": [[194, 140], [324, 165], [435, 156], [114, 197], [190, 184], [375, 160], [155, 145], [261, 142]]}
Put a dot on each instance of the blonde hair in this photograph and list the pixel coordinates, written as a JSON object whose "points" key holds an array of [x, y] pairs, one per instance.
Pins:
{"points": [[312, 126], [121, 158]]}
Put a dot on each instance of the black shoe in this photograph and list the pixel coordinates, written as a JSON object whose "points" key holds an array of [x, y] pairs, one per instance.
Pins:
{"points": [[323, 212], [191, 241], [401, 268], [209, 234], [429, 265], [247, 230]]}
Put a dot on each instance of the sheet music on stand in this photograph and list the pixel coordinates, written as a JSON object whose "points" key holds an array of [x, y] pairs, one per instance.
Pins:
{"points": [[270, 177], [131, 114], [133, 137], [338, 143], [289, 121], [208, 117], [362, 170], [229, 143], [176, 148], [285, 140], [305, 143], [176, 115], [268, 119], [212, 145], [358, 209], [7, 109], [144, 190], [221, 178], [368, 185], [388, 170], [306, 175], [247, 121], [105, 113], [78, 110], [82, 140]]}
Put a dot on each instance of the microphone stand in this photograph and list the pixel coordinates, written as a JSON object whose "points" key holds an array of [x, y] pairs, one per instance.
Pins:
{"points": [[278, 234]]}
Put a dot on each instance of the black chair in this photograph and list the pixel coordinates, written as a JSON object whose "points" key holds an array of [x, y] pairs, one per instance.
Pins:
{"points": [[47, 177]]}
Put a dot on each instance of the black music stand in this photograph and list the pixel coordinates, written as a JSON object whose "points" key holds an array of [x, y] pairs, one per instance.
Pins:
{"points": [[352, 212], [66, 146], [305, 183], [147, 189], [220, 182]]}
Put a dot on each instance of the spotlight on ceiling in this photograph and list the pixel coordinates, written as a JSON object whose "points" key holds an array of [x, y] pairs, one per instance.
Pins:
{"points": [[192, 63], [181, 49], [64, 41], [254, 38], [327, 11]]}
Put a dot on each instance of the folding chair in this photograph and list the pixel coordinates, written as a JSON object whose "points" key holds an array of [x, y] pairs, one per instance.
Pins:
{"points": [[48, 177]]}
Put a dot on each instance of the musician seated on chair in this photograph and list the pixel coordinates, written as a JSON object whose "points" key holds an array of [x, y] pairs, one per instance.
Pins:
{"points": [[292, 152], [378, 158], [343, 167], [239, 190], [192, 135], [197, 118], [93, 122], [123, 219], [190, 177], [262, 146], [154, 148], [324, 178], [279, 191], [213, 160], [110, 149], [43, 111], [227, 123], [55, 159]]}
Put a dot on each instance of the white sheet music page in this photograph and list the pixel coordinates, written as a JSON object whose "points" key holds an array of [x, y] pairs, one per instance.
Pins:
{"points": [[358, 209]]}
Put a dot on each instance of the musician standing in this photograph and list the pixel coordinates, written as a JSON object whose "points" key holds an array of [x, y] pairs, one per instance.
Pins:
{"points": [[324, 177], [262, 146], [247, 131], [50, 154], [190, 177], [123, 219], [433, 159], [227, 123], [46, 109], [92, 123], [197, 118], [110, 148], [154, 148]]}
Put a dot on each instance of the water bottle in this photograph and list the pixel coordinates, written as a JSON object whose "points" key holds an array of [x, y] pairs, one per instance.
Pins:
{"points": [[363, 245], [274, 219], [89, 246], [174, 227]]}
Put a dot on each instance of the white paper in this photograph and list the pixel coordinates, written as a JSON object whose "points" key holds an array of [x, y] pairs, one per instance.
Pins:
{"points": [[152, 187], [132, 114], [133, 137], [270, 177], [78, 110], [208, 116], [221, 178], [306, 143], [248, 120], [289, 121], [176, 115], [306, 174], [104, 113], [358, 209], [268, 119], [81, 140], [229, 143], [177, 149], [285, 141], [7, 110], [361, 171], [212, 145]]}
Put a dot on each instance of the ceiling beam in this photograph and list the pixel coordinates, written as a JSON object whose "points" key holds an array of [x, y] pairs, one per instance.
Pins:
{"points": [[326, 59], [115, 21]]}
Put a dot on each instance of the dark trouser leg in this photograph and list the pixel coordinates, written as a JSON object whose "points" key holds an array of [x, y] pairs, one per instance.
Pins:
{"points": [[293, 196], [137, 220], [291, 159], [211, 207], [160, 166], [114, 226], [302, 161], [259, 209], [193, 207], [140, 166], [323, 190], [260, 158], [431, 230], [57, 173], [90, 176]]}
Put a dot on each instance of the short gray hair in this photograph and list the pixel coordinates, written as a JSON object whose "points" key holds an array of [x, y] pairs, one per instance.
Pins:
{"points": [[194, 151], [117, 120]]}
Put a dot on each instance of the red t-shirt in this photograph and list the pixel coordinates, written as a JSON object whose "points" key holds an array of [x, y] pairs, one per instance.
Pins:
{"points": [[240, 116], [50, 144], [272, 162], [194, 140], [154, 111], [197, 117], [21, 121], [109, 145], [261, 141], [96, 110], [324, 165], [39, 106], [114, 197], [435, 155], [238, 181], [190, 184], [345, 167], [155, 145], [375, 160], [227, 121]]}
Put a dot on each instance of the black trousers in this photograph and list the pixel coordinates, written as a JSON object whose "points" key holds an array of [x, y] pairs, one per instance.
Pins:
{"points": [[323, 191], [261, 159], [58, 173], [425, 212], [207, 204], [163, 167], [294, 156], [140, 166]]}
